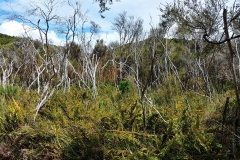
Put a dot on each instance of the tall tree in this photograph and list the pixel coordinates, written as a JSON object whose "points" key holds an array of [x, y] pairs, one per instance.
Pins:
{"points": [[129, 30], [51, 64], [213, 20]]}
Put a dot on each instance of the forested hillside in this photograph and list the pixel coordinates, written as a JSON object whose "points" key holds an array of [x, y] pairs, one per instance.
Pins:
{"points": [[147, 96]]}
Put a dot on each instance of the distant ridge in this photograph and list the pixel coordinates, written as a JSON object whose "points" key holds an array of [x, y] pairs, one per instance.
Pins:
{"points": [[6, 39]]}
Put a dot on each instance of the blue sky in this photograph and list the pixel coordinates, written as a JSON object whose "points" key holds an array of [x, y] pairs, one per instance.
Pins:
{"points": [[143, 9]]}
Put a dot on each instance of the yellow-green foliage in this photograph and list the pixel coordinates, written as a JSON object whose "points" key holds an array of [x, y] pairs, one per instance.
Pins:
{"points": [[6, 40], [74, 125]]}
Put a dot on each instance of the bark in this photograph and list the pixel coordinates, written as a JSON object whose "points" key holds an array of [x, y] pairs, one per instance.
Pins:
{"points": [[231, 65]]}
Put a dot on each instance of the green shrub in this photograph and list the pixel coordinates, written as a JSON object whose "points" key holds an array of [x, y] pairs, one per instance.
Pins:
{"points": [[124, 86], [9, 91]]}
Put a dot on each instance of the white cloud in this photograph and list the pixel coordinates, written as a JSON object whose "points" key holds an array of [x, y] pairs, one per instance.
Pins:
{"points": [[14, 28], [138, 8], [54, 38], [109, 37]]}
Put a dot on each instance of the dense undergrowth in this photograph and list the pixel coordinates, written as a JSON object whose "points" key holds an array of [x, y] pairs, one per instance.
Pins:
{"points": [[74, 125]]}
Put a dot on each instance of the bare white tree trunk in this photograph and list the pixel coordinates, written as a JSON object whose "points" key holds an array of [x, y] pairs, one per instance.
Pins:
{"points": [[7, 69], [237, 54], [203, 70], [91, 69], [45, 96]]}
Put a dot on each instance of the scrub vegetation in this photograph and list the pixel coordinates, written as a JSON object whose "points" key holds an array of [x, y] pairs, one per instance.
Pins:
{"points": [[146, 96]]}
